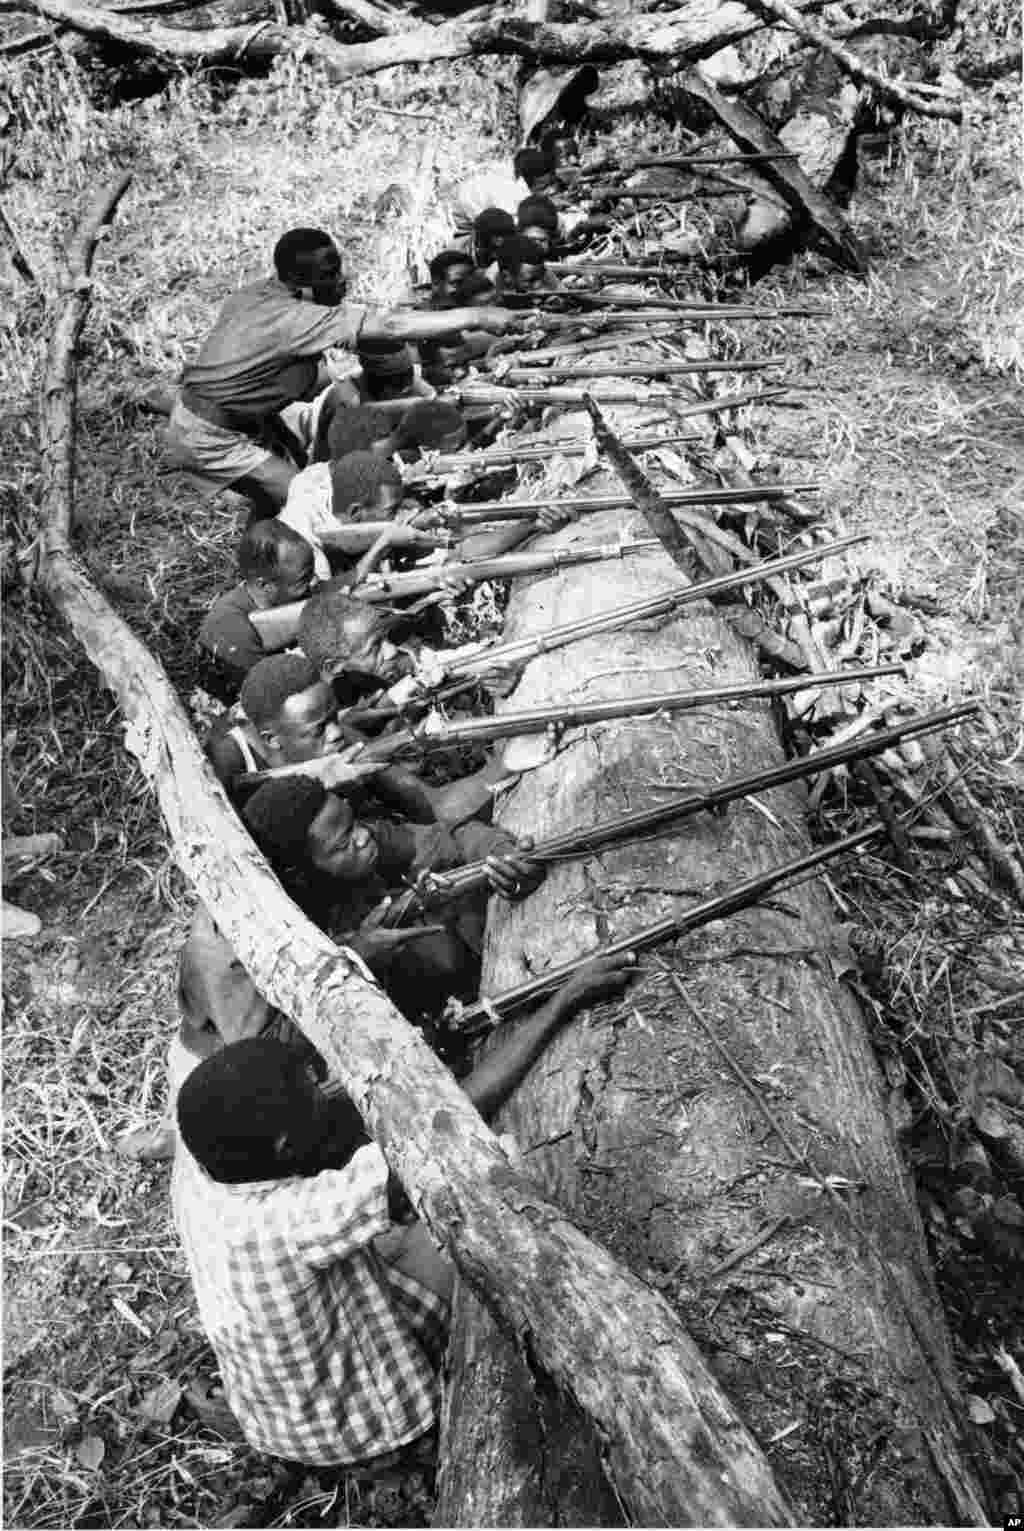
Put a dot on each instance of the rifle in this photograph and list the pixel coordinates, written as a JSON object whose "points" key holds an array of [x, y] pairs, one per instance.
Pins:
{"points": [[671, 161], [280, 624], [648, 822], [526, 510], [652, 368], [684, 308], [398, 587], [487, 1013], [433, 735], [487, 458], [481, 394]]}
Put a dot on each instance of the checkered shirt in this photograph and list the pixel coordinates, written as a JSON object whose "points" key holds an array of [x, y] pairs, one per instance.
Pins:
{"points": [[326, 1351]]}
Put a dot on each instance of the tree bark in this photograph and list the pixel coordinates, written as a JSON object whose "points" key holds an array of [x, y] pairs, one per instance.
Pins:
{"points": [[691, 32], [795, 1248], [672, 1444]]}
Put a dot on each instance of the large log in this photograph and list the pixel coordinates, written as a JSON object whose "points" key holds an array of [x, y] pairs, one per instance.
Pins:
{"points": [[828, 1334], [674, 1447]]}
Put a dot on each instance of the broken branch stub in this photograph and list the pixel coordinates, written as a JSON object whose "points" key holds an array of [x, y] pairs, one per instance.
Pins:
{"points": [[673, 1445]]}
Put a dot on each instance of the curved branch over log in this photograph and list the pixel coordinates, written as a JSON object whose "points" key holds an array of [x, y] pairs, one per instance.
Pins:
{"points": [[693, 31], [673, 1446]]}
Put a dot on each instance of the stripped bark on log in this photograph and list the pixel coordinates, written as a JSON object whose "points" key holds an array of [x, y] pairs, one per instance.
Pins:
{"points": [[672, 1444]]}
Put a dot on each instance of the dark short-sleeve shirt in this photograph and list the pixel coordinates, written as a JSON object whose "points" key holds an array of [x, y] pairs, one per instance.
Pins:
{"points": [[261, 354], [228, 636]]}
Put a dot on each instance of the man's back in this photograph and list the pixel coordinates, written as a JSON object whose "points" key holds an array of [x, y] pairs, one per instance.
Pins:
{"points": [[326, 1351]]}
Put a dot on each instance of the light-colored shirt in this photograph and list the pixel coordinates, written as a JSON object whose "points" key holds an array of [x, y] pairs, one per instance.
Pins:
{"points": [[325, 1349], [262, 351], [309, 510], [490, 188]]}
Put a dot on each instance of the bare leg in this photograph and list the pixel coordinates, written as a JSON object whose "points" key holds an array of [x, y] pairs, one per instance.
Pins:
{"points": [[266, 486]]}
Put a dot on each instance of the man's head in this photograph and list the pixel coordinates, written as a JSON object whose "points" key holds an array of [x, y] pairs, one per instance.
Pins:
{"points": [[448, 272], [301, 827], [292, 709], [521, 265], [275, 563], [307, 261], [365, 487], [432, 425], [343, 427], [536, 167], [340, 634], [490, 229], [388, 367], [537, 219], [252, 1112]]}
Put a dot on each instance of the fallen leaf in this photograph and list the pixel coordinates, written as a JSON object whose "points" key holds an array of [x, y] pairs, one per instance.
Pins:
{"points": [[990, 1122], [980, 1412], [90, 1451], [62, 1405], [160, 1403]]}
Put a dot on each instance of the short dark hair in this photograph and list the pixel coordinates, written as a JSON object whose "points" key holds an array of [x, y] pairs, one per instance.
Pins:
{"points": [[492, 221], [356, 429], [520, 251], [293, 250], [235, 1106], [262, 546], [537, 213], [443, 262], [271, 682], [332, 621], [279, 815], [530, 164], [356, 478], [428, 423]]}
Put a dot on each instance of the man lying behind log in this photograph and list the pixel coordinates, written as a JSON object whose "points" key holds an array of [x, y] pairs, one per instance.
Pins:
{"points": [[264, 354], [326, 1306], [344, 871]]}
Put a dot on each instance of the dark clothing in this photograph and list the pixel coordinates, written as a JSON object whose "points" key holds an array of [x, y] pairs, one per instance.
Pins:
{"points": [[262, 352], [230, 640]]}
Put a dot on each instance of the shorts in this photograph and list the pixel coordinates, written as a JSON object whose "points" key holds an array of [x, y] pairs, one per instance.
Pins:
{"points": [[218, 454]]}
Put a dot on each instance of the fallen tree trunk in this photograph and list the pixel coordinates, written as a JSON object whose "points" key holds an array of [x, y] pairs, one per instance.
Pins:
{"points": [[737, 1155], [672, 1444], [693, 31]]}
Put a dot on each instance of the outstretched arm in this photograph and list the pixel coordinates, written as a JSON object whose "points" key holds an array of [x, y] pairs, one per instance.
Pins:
{"points": [[496, 1076], [419, 324]]}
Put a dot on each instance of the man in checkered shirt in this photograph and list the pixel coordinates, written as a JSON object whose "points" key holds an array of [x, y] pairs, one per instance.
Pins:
{"points": [[327, 1316]]}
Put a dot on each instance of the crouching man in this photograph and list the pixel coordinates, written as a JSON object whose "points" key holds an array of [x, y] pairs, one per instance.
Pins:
{"points": [[326, 1313]]}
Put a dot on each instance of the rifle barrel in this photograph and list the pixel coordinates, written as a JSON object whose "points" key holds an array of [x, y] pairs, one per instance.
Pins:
{"points": [[717, 406], [652, 821], [481, 1015], [652, 368], [525, 510], [498, 457], [391, 587], [534, 720], [517, 651]]}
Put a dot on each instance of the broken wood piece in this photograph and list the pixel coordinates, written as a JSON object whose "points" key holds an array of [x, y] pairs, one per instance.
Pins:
{"points": [[22, 847], [809, 205]]}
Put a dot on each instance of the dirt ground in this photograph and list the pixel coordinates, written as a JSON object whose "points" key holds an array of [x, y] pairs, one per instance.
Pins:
{"points": [[911, 423]]}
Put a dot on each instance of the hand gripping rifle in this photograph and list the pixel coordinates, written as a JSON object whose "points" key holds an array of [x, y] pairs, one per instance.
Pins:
{"points": [[433, 887], [432, 736]]}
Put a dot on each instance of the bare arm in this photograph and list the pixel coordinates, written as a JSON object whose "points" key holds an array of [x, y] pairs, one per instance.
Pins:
{"points": [[496, 1076], [419, 324]]}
